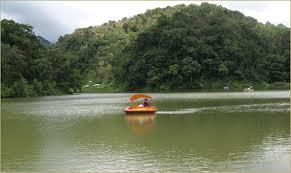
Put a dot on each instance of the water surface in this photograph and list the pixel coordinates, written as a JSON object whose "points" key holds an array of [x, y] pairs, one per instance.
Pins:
{"points": [[202, 132]]}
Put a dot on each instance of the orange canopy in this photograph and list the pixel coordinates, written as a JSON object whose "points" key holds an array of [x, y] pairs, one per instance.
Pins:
{"points": [[137, 96]]}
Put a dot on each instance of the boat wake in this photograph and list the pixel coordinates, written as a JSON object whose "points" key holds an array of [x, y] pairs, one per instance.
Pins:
{"points": [[267, 107], [181, 111]]}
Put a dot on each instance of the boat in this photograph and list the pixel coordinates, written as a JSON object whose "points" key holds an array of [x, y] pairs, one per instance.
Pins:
{"points": [[140, 109]]}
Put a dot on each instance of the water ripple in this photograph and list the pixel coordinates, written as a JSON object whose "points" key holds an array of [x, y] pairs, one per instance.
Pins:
{"points": [[267, 107]]}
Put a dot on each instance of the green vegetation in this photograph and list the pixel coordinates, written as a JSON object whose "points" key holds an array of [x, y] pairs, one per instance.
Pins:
{"points": [[44, 42], [181, 47], [30, 69], [97, 90]]}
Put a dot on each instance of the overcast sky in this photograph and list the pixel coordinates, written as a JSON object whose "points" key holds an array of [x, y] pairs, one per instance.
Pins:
{"points": [[51, 19]]}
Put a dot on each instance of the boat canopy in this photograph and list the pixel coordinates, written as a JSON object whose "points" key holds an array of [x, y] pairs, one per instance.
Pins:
{"points": [[137, 96]]}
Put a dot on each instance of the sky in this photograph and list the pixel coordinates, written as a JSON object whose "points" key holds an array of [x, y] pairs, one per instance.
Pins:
{"points": [[51, 19]]}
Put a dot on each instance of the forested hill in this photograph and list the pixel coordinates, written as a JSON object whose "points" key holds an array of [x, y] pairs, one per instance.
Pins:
{"points": [[177, 47], [182, 46], [44, 42], [30, 69]]}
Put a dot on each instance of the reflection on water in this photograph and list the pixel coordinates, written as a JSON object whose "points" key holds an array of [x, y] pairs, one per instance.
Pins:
{"points": [[141, 123], [90, 133]]}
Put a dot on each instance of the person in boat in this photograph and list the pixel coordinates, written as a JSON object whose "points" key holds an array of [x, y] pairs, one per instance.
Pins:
{"points": [[146, 103]]}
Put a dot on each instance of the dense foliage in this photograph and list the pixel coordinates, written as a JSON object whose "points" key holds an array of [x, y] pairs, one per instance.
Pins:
{"points": [[29, 69], [183, 47], [175, 47], [201, 44]]}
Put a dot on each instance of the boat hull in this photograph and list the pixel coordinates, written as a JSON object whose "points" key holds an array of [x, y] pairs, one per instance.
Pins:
{"points": [[137, 110]]}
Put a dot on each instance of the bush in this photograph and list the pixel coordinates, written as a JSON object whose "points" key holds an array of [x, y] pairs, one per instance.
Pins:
{"points": [[49, 88], [280, 85], [164, 87], [6, 91], [22, 89], [37, 86]]}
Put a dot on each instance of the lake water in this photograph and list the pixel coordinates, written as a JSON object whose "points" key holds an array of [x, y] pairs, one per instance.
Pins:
{"points": [[191, 132]]}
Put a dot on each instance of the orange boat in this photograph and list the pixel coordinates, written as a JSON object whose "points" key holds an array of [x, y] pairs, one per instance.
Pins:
{"points": [[140, 109]]}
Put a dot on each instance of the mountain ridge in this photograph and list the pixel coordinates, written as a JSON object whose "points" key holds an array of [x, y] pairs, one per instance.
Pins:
{"points": [[125, 32], [44, 41]]}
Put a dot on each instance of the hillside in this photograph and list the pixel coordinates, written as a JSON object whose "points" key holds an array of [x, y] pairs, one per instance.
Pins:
{"points": [[183, 46], [30, 69], [44, 42], [180, 47]]}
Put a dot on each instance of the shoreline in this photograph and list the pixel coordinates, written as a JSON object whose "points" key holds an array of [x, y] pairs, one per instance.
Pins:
{"points": [[162, 91]]}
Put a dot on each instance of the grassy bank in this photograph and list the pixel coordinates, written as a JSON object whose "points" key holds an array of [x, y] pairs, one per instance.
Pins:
{"points": [[241, 85], [99, 90]]}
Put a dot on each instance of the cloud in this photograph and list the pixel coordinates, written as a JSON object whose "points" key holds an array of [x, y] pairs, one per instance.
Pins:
{"points": [[39, 17], [272, 11], [52, 19]]}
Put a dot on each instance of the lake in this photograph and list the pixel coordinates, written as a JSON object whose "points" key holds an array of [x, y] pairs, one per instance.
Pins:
{"points": [[191, 132]]}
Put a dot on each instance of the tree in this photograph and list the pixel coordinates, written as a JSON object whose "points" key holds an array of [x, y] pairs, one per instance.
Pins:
{"points": [[190, 68], [223, 70], [276, 72]]}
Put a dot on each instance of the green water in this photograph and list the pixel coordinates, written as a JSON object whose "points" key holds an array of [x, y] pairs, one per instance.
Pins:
{"points": [[200, 132]]}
